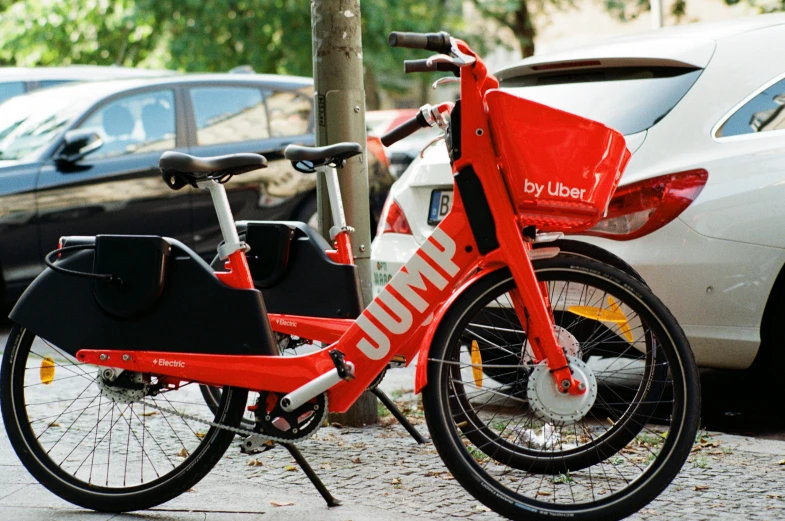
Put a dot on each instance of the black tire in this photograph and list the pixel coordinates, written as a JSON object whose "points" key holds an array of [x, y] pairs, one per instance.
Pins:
{"points": [[62, 427], [591, 251], [510, 460]]}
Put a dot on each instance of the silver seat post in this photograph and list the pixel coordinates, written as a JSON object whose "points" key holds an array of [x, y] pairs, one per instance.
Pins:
{"points": [[336, 203], [232, 241]]}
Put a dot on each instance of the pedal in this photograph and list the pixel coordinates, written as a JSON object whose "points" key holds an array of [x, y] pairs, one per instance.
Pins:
{"points": [[398, 361], [256, 444], [344, 371]]}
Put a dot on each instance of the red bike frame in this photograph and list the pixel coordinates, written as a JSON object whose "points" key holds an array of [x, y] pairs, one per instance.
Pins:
{"points": [[403, 319]]}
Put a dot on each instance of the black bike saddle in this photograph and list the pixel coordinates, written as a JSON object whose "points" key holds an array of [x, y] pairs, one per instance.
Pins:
{"points": [[231, 164], [317, 156], [180, 169]]}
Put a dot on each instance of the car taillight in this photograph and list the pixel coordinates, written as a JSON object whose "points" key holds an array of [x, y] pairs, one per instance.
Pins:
{"points": [[392, 219], [640, 208]]}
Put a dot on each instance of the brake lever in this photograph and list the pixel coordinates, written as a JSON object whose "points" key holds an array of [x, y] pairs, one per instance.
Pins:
{"points": [[433, 142], [444, 81], [459, 60]]}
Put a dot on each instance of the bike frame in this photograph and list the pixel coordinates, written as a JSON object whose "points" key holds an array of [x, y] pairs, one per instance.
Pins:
{"points": [[404, 317]]}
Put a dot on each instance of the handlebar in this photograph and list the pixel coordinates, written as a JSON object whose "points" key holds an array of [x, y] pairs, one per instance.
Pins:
{"points": [[436, 42], [410, 66], [405, 129]]}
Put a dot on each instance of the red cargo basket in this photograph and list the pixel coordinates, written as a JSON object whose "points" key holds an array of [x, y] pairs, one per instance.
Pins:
{"points": [[561, 169]]}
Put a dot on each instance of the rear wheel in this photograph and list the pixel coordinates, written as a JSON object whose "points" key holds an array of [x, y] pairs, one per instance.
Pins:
{"points": [[529, 452], [95, 439]]}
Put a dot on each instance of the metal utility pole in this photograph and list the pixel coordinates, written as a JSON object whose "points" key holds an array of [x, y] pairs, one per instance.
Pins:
{"points": [[656, 14], [340, 116]]}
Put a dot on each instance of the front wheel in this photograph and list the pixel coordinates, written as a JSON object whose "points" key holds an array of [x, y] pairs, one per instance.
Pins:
{"points": [[106, 441], [528, 452]]}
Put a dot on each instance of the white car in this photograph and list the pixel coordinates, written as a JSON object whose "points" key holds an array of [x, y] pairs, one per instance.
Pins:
{"points": [[700, 210]]}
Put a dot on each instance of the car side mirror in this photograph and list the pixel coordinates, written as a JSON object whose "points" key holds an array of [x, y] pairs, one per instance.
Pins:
{"points": [[77, 144]]}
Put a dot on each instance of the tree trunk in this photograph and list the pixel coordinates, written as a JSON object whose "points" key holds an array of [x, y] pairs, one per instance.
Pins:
{"points": [[372, 101], [425, 90], [363, 412], [524, 29]]}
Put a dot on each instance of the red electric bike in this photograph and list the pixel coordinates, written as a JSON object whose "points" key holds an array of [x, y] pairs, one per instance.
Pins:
{"points": [[553, 385]]}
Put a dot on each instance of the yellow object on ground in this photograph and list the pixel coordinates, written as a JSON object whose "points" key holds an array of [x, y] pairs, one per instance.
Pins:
{"points": [[476, 363], [47, 370], [613, 314]]}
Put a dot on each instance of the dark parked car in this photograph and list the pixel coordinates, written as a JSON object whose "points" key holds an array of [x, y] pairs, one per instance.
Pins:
{"points": [[82, 159], [20, 80]]}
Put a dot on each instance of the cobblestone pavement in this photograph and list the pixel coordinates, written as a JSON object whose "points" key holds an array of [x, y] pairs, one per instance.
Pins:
{"points": [[381, 473]]}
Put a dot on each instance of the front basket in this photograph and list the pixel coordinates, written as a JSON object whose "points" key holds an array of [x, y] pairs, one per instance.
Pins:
{"points": [[561, 169]]}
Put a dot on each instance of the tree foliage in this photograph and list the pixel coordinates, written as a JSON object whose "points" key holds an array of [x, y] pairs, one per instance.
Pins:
{"points": [[269, 35], [194, 35]]}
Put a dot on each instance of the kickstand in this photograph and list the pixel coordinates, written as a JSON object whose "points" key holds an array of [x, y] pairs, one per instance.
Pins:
{"points": [[300, 459], [398, 415]]}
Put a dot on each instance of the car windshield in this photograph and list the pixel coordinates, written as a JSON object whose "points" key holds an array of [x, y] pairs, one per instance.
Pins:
{"points": [[628, 99], [30, 123]]}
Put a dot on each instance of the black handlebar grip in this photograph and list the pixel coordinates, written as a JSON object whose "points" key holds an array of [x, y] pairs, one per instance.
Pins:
{"points": [[410, 66], [436, 42], [404, 130]]}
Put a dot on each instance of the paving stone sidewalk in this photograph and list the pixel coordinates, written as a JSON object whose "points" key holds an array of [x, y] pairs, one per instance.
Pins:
{"points": [[382, 474]]}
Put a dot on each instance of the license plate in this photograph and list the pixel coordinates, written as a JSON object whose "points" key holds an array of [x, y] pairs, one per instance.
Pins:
{"points": [[441, 202]]}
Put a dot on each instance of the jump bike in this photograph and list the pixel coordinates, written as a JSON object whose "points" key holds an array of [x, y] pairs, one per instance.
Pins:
{"points": [[553, 385]]}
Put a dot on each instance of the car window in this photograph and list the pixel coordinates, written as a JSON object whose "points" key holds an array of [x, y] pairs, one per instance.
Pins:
{"points": [[134, 124], [11, 89], [30, 123], [628, 99], [52, 83], [290, 113], [762, 113], [229, 114]]}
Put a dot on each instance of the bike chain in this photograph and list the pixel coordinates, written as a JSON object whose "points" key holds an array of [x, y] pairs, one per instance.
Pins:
{"points": [[237, 430]]}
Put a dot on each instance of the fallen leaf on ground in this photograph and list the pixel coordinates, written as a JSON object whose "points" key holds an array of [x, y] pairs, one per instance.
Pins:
{"points": [[290, 468], [543, 493], [701, 487], [481, 508], [282, 503], [356, 460], [781, 462], [396, 481], [255, 463], [183, 453], [151, 413], [387, 421]]}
